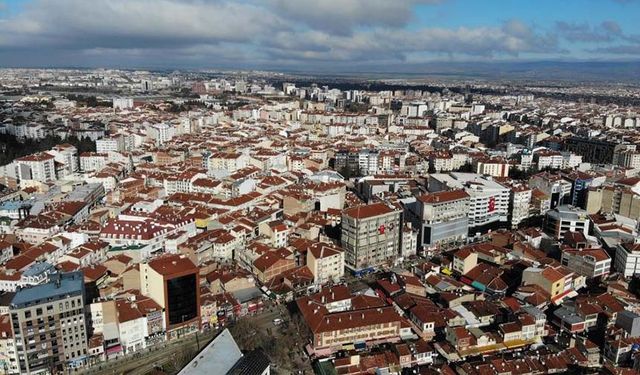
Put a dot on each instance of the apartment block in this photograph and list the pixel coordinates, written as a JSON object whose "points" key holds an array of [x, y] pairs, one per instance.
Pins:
{"points": [[49, 325], [371, 235]]}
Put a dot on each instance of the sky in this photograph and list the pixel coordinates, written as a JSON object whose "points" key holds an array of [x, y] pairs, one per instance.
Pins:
{"points": [[313, 34]]}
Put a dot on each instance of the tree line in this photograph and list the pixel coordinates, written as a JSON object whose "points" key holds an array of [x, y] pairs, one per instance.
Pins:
{"points": [[12, 148]]}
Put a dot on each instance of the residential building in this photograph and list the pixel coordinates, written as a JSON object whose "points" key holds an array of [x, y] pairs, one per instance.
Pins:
{"points": [[464, 260], [37, 167], [371, 235], [627, 258], [590, 262], [326, 262], [566, 218], [49, 324]]}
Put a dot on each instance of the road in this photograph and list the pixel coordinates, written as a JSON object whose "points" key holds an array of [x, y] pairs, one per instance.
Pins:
{"points": [[144, 361], [265, 318]]}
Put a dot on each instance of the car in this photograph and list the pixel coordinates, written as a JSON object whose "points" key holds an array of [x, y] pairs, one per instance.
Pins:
{"points": [[277, 321]]}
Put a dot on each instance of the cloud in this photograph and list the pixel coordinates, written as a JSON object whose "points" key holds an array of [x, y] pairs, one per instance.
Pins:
{"points": [[608, 34], [611, 27], [135, 23], [197, 33], [340, 17], [389, 44], [584, 32], [624, 49]]}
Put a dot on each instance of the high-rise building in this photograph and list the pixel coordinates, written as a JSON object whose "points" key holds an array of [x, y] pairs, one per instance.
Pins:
{"points": [[443, 217], [39, 167], [592, 150], [122, 103], [49, 327], [488, 200], [171, 280], [627, 258], [371, 235]]}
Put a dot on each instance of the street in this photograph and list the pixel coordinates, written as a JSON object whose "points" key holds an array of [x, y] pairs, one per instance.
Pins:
{"points": [[144, 361]]}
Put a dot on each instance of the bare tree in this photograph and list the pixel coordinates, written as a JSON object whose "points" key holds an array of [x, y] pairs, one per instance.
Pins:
{"points": [[179, 359]]}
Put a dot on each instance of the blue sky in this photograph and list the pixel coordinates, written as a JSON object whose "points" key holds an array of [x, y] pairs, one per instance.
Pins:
{"points": [[313, 33]]}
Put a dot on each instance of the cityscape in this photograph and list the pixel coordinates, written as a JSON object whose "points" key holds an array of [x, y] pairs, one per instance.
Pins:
{"points": [[330, 188]]}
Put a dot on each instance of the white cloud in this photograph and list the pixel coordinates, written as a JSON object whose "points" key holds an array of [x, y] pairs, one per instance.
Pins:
{"points": [[258, 32]]}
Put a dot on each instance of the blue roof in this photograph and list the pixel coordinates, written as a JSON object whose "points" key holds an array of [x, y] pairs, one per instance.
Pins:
{"points": [[37, 269], [60, 286], [13, 205]]}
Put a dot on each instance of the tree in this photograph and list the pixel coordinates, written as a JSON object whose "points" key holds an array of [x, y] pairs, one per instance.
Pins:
{"points": [[248, 335], [180, 359]]}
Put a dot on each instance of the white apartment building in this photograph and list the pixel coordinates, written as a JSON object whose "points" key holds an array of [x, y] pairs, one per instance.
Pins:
{"points": [[459, 160], [526, 161], [222, 164], [182, 183], [488, 203], [409, 245], [122, 103], [93, 161], [492, 167], [548, 159], [519, 202], [114, 143], [628, 159], [161, 133], [627, 259], [414, 109], [67, 156], [368, 161], [39, 167], [441, 161], [571, 160], [35, 131]]}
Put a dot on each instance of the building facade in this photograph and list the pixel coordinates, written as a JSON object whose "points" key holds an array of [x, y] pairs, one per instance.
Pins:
{"points": [[371, 235], [49, 324], [172, 282]]}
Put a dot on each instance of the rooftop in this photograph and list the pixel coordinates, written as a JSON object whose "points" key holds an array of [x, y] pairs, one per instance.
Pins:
{"points": [[60, 286]]}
